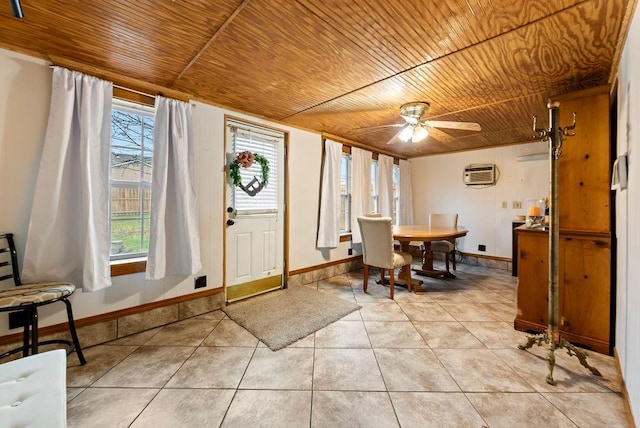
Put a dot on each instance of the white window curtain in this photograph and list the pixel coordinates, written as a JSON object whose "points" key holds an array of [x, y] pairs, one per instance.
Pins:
{"points": [[385, 185], [406, 195], [360, 190], [329, 219], [174, 241], [68, 237]]}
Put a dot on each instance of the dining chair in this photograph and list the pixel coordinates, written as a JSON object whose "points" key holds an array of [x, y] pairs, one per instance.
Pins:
{"points": [[377, 251], [25, 299], [446, 247]]}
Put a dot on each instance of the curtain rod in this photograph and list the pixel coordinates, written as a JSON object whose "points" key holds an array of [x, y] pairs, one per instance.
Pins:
{"points": [[124, 88], [136, 91], [265, 131]]}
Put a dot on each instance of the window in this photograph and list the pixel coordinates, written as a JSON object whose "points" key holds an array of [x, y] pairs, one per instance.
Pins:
{"points": [[265, 142], [395, 177], [345, 195], [374, 187], [130, 179]]}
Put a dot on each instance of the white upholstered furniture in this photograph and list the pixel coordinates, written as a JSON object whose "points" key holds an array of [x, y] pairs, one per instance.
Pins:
{"points": [[377, 250], [33, 391]]}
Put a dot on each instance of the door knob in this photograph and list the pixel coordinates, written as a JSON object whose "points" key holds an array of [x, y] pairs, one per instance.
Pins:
{"points": [[230, 222]]}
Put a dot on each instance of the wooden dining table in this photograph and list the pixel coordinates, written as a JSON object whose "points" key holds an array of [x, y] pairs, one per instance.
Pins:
{"points": [[405, 234]]}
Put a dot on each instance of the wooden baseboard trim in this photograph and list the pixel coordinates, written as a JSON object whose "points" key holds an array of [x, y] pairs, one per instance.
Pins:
{"points": [[109, 316], [488, 257], [324, 265]]}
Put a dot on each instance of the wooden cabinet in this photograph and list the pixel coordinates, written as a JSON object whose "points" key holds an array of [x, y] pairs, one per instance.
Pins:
{"points": [[584, 265], [584, 166], [584, 289], [584, 293], [533, 280]]}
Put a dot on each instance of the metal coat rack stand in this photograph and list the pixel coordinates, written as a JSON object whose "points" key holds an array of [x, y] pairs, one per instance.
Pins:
{"points": [[551, 337]]}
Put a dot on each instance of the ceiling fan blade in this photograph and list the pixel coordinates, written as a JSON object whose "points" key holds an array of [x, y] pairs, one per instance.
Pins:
{"points": [[395, 138], [440, 136], [373, 128], [467, 126]]}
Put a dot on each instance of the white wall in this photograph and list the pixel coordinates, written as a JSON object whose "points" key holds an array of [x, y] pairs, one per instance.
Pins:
{"points": [[627, 227], [438, 187], [25, 88]]}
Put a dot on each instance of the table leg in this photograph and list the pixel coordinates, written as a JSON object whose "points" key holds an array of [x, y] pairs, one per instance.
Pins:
{"points": [[427, 264]]}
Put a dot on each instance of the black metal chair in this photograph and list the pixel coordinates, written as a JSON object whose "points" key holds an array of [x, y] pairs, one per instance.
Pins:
{"points": [[26, 298]]}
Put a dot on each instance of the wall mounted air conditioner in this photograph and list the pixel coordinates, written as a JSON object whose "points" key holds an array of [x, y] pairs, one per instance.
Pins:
{"points": [[479, 175]]}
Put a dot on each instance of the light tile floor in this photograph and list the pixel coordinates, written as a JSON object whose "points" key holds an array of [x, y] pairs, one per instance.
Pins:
{"points": [[446, 358]]}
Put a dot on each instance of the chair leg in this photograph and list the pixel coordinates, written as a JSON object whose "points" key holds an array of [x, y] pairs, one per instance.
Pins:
{"points": [[453, 259], [382, 281], [391, 284], [26, 318], [408, 277], [74, 335], [446, 261], [365, 282], [33, 320]]}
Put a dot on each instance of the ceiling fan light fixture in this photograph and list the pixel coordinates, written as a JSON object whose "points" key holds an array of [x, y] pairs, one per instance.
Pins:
{"points": [[413, 112], [406, 134], [419, 134]]}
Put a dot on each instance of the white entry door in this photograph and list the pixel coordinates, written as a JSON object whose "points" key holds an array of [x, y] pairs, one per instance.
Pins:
{"points": [[254, 247]]}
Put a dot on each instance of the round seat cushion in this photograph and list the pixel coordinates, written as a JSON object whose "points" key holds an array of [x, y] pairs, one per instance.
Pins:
{"points": [[24, 295], [401, 259]]}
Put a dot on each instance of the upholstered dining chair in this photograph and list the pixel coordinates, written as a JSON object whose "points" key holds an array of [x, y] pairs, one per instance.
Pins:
{"points": [[446, 247], [377, 251], [27, 298]]}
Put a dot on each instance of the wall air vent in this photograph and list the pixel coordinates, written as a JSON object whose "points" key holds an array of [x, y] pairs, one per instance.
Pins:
{"points": [[479, 175]]}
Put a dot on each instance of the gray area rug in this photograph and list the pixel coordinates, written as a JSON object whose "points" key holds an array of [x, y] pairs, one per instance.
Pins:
{"points": [[281, 317]]}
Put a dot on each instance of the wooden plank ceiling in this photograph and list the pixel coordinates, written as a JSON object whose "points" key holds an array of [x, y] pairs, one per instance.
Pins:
{"points": [[337, 65]]}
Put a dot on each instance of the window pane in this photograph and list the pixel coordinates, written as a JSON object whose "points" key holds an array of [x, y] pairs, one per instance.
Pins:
{"points": [[265, 143], [127, 164], [131, 171], [395, 176], [373, 186], [126, 220], [343, 212], [345, 197]]}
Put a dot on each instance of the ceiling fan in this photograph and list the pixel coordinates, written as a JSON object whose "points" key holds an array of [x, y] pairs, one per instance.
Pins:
{"points": [[415, 129]]}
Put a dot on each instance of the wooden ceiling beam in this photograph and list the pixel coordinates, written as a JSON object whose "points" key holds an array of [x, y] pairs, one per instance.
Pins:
{"points": [[219, 31]]}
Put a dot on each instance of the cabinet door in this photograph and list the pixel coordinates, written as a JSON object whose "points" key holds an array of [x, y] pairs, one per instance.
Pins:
{"points": [[584, 183], [533, 278], [585, 292]]}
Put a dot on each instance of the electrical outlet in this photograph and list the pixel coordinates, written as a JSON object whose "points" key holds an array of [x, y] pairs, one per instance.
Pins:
{"points": [[482, 247], [16, 319], [201, 281], [517, 205], [504, 204], [350, 252]]}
